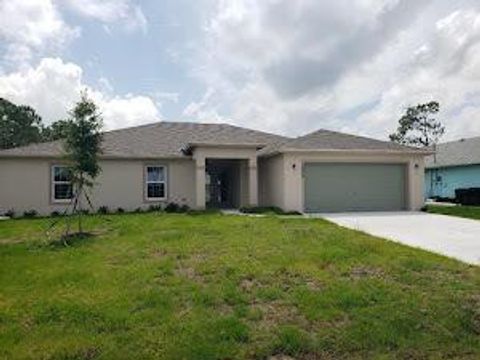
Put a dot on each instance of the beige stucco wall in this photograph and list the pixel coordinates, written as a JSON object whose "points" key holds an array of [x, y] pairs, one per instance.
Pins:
{"points": [[271, 177], [25, 184], [283, 185]]}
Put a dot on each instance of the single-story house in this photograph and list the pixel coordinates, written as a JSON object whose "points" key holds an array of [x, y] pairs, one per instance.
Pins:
{"points": [[225, 166], [455, 165]]}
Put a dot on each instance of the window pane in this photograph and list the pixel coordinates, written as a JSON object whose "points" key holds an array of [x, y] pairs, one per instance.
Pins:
{"points": [[63, 191], [155, 173], [61, 173], [156, 190]]}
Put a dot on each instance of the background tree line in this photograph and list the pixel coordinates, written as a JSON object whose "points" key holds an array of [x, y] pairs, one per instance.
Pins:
{"points": [[21, 125]]}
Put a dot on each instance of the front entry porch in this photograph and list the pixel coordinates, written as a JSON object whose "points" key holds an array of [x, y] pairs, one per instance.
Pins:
{"points": [[226, 178]]}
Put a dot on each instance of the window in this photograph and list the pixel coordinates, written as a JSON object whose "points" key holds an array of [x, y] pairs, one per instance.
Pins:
{"points": [[155, 182], [61, 184]]}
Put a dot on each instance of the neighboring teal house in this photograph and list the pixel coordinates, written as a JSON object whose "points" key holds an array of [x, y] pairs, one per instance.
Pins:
{"points": [[456, 165]]}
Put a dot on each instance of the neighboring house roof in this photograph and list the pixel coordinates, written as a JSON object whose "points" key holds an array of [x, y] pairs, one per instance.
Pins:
{"points": [[174, 139], [332, 140], [455, 153], [157, 140]]}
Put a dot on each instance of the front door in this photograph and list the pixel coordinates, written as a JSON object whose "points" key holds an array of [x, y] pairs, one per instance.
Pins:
{"points": [[218, 188]]}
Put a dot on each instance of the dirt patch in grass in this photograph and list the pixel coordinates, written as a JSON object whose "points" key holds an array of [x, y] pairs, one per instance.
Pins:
{"points": [[273, 313], [159, 253], [187, 272], [7, 241], [250, 284], [291, 280], [362, 272]]}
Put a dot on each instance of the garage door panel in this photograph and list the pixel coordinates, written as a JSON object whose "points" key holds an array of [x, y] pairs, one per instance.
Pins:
{"points": [[354, 187]]}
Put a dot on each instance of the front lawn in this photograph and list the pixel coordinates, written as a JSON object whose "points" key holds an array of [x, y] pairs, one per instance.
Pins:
{"points": [[470, 212], [152, 286]]}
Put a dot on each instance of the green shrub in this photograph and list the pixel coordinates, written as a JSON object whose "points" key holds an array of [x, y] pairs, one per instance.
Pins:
{"points": [[184, 208], [292, 212], [103, 209], [172, 207], [155, 208], [120, 210], [55, 213], [10, 213], [30, 214]]}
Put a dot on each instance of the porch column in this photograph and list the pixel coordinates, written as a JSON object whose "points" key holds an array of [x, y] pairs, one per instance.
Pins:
{"points": [[252, 182], [200, 183]]}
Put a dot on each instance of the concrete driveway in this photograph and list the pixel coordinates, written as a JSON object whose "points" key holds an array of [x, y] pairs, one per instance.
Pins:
{"points": [[447, 235]]}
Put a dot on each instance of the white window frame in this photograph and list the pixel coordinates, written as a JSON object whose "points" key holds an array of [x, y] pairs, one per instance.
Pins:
{"points": [[164, 182], [54, 182]]}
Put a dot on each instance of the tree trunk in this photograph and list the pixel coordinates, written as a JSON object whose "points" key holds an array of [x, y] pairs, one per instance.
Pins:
{"points": [[79, 209]]}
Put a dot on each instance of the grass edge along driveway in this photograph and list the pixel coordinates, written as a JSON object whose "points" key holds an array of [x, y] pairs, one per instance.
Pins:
{"points": [[469, 212]]}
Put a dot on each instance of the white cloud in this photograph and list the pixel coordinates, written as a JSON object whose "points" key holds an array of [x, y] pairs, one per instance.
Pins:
{"points": [[54, 86], [167, 96], [129, 110], [204, 110], [31, 29], [32, 26], [294, 66], [112, 11]]}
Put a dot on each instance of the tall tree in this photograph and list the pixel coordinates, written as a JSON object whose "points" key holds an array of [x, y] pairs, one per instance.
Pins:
{"points": [[419, 126], [82, 147], [56, 131], [19, 125]]}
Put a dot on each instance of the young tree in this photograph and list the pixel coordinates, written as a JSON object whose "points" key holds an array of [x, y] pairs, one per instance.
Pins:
{"points": [[419, 127], [82, 147], [19, 125]]}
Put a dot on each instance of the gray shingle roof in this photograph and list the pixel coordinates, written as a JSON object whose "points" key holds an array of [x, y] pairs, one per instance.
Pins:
{"points": [[456, 153], [157, 140], [170, 139], [332, 140]]}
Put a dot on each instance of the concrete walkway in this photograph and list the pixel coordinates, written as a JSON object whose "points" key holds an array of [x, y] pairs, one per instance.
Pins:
{"points": [[447, 235]]}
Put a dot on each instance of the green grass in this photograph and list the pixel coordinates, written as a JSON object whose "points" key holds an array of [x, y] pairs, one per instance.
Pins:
{"points": [[470, 212], [151, 286]]}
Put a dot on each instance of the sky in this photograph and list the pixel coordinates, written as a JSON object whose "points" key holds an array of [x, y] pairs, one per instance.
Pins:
{"points": [[287, 67]]}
